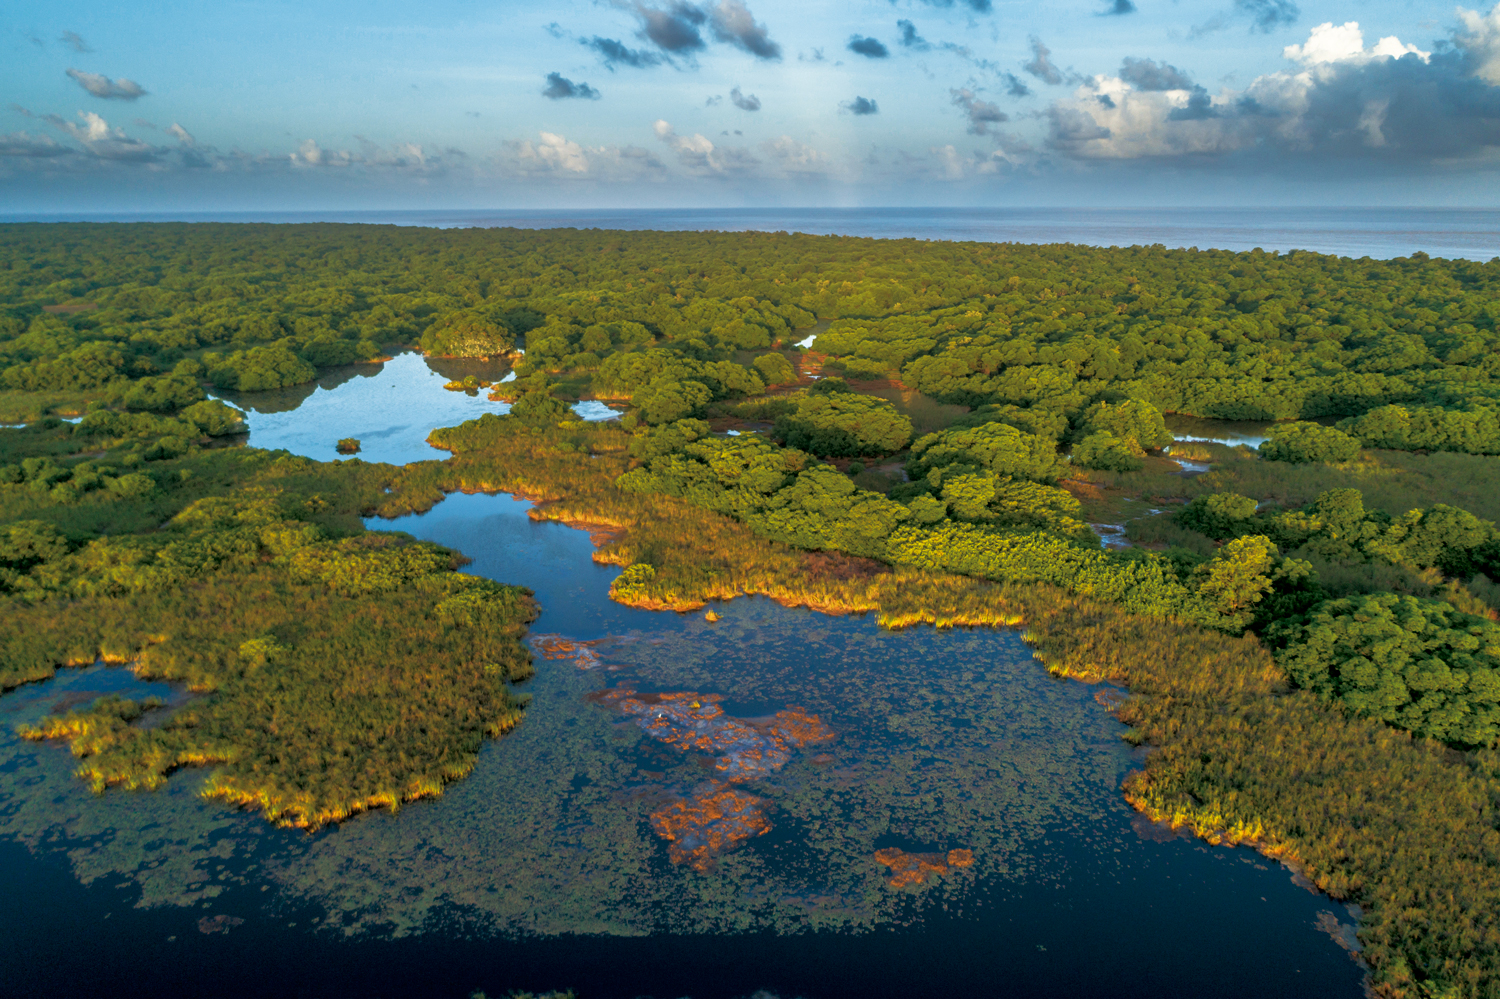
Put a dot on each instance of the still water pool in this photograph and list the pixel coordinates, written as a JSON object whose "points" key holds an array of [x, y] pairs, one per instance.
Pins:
{"points": [[857, 813]]}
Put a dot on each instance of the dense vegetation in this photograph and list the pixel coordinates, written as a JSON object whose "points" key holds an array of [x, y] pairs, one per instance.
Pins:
{"points": [[1310, 636], [1404, 826], [338, 669], [87, 309]]}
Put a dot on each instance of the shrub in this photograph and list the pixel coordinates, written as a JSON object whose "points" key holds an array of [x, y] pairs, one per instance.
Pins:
{"points": [[467, 334], [1135, 422], [775, 369], [843, 424], [1106, 452], [1418, 664], [1303, 442]]}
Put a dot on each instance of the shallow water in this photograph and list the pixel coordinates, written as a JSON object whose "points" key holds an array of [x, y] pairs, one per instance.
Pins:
{"points": [[548, 867], [389, 407]]}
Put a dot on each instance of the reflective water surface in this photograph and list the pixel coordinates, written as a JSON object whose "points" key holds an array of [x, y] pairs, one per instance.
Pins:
{"points": [[776, 800]]}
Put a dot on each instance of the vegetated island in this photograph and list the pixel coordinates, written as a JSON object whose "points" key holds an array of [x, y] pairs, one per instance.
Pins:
{"points": [[1307, 631]]}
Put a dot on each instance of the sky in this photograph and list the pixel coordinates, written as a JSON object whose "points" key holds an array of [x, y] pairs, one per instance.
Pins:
{"points": [[274, 105]]}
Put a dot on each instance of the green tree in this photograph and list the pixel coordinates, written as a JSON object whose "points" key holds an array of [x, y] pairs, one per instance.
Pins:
{"points": [[1419, 664], [775, 369], [669, 401], [843, 424], [1106, 452], [1132, 421], [1302, 442], [469, 334]]}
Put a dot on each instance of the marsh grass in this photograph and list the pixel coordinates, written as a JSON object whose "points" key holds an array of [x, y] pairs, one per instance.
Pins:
{"points": [[1404, 827]]}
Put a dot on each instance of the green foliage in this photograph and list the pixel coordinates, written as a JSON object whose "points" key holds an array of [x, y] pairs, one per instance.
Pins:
{"points": [[539, 409], [670, 401], [843, 424], [1218, 515], [467, 334], [774, 369], [213, 418], [1418, 664], [337, 674], [259, 369], [1135, 422], [997, 447], [1242, 573], [1336, 527], [1428, 428], [1304, 442], [1104, 451], [162, 395]]}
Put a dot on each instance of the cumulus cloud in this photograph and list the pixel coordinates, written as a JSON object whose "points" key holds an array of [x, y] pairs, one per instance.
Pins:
{"points": [[559, 88], [1117, 8], [1345, 43], [101, 139], [25, 146], [74, 41], [181, 134], [861, 106], [1479, 40], [1014, 85], [870, 48], [556, 157], [744, 102], [101, 86], [1147, 74], [311, 155], [399, 157], [793, 157], [910, 39], [700, 157], [1040, 65], [1390, 103], [981, 114], [617, 53]]}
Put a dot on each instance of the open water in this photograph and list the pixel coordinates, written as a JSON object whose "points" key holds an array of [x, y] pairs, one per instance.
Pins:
{"points": [[847, 756], [1382, 233]]}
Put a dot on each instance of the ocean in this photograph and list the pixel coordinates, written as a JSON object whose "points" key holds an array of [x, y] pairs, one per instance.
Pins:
{"points": [[1381, 233]]}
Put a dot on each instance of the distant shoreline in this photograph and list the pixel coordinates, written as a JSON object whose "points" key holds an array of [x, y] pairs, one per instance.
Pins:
{"points": [[1380, 233]]}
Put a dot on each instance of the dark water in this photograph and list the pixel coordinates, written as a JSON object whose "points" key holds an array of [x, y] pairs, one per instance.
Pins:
{"points": [[544, 868], [1465, 233]]}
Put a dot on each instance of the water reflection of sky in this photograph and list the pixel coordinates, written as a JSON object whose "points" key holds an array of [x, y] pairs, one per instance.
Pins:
{"points": [[390, 408]]}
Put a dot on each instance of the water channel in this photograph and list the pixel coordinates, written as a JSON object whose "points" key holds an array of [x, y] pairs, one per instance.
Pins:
{"points": [[937, 815]]}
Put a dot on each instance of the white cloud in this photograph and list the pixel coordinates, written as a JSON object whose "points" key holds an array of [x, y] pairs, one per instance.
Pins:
{"points": [[1390, 100], [1480, 41], [1346, 43], [311, 155], [104, 141], [699, 156], [558, 157], [794, 157]]}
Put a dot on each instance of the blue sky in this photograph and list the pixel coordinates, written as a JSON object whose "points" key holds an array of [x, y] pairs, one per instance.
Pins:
{"points": [[260, 105]]}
